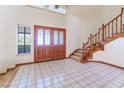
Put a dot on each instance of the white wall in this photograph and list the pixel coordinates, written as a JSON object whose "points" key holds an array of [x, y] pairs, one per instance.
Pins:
{"points": [[110, 12], [73, 19], [112, 54], [92, 18], [80, 21], [91, 21], [10, 16], [114, 51]]}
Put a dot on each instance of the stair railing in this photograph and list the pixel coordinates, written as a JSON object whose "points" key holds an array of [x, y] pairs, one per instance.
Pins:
{"points": [[113, 27], [86, 44], [94, 38]]}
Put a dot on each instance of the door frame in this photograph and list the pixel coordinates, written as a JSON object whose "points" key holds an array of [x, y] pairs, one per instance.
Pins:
{"points": [[35, 38]]}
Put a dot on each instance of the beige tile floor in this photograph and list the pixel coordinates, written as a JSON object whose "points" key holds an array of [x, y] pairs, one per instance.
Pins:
{"points": [[6, 79], [68, 73]]}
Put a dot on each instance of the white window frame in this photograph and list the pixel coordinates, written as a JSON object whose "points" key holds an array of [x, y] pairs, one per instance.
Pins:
{"points": [[31, 44]]}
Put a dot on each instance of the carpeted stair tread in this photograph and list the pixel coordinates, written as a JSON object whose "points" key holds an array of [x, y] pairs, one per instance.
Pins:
{"points": [[76, 58]]}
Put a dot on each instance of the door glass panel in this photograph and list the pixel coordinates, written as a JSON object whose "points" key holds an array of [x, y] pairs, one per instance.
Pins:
{"points": [[40, 37], [55, 37], [47, 37], [61, 38]]}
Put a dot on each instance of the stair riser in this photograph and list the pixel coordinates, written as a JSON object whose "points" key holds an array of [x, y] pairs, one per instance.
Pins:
{"points": [[79, 51], [108, 35], [76, 58], [79, 55]]}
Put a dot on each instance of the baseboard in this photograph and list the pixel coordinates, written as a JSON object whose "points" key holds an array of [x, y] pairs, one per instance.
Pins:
{"points": [[67, 57], [108, 64], [27, 63], [8, 69]]}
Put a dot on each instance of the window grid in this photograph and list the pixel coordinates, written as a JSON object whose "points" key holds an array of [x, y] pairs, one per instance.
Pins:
{"points": [[23, 48]]}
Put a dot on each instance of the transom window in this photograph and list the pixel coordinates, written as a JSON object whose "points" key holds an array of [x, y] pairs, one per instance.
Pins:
{"points": [[24, 39], [55, 8]]}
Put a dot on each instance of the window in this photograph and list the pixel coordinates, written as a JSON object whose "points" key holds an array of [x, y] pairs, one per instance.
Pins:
{"points": [[59, 9], [24, 39], [38, 6]]}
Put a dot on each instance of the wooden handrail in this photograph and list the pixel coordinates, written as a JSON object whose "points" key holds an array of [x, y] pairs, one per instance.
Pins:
{"points": [[106, 27], [122, 10], [107, 30], [112, 20]]}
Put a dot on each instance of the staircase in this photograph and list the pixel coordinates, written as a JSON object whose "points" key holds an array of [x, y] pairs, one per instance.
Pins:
{"points": [[110, 31], [77, 54]]}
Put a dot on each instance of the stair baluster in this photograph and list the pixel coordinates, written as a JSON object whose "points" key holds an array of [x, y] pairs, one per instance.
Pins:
{"points": [[110, 29], [95, 37], [123, 27], [116, 26], [98, 36], [102, 32], [121, 23], [90, 39]]}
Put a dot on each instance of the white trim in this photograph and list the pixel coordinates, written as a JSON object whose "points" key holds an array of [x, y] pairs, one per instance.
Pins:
{"points": [[24, 54]]}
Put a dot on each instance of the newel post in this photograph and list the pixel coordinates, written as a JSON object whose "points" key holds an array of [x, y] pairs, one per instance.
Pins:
{"points": [[103, 32], [122, 10]]}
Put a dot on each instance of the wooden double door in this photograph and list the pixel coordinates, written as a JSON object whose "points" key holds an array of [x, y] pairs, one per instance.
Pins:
{"points": [[49, 43]]}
